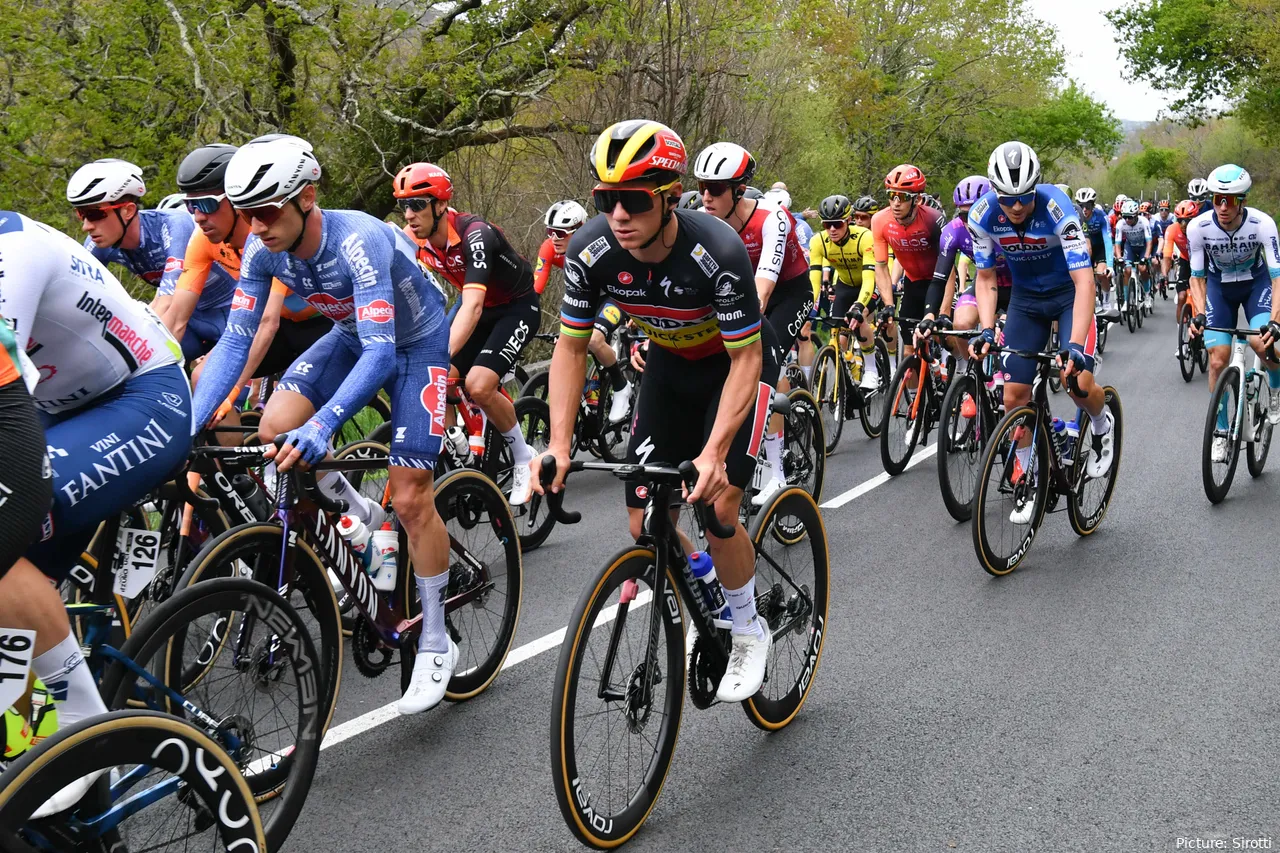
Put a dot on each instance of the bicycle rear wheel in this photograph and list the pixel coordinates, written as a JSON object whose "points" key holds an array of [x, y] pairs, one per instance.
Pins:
{"points": [[829, 395], [960, 443], [1130, 306], [537, 385], [606, 790], [1257, 450], [1005, 488], [214, 809], [533, 519], [1186, 356], [804, 454], [1090, 499], [1220, 423], [904, 416], [873, 409]]}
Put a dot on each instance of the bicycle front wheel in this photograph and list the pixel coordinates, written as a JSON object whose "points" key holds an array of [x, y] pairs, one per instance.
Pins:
{"points": [[1259, 447], [873, 400], [534, 519], [1012, 495], [906, 408], [1091, 498], [615, 717], [829, 394], [1186, 356], [960, 447], [1220, 450]]}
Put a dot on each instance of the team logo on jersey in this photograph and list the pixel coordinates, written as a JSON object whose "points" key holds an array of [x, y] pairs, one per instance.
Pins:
{"points": [[642, 492], [542, 262], [379, 311], [434, 398], [243, 301], [625, 277], [1013, 244], [704, 260], [134, 348], [725, 284], [573, 272], [611, 313], [594, 250], [1071, 233], [334, 309], [1055, 211], [980, 209]]}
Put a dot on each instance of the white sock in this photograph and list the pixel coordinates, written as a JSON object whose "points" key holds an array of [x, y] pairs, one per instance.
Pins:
{"points": [[773, 449], [1099, 422], [64, 672], [807, 370], [1024, 456], [869, 365], [337, 486], [743, 604], [520, 451], [431, 594], [962, 364]]}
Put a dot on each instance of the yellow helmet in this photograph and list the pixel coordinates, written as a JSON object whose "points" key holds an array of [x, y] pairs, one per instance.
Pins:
{"points": [[636, 149]]}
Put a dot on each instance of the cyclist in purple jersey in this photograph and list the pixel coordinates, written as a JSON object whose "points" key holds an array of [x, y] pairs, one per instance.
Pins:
{"points": [[389, 331]]}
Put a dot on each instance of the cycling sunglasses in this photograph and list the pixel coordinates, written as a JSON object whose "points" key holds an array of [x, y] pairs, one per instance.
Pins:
{"points": [[1228, 200], [1010, 200], [1182, 221], [560, 233], [898, 195], [633, 200], [834, 223], [97, 214], [417, 205], [1130, 219], [206, 204], [270, 211], [714, 188]]}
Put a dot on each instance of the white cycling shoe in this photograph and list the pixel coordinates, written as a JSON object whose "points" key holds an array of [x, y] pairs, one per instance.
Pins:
{"points": [[748, 660], [1273, 407], [1220, 452], [431, 674], [870, 380], [621, 405], [521, 484], [1101, 449], [768, 490]]}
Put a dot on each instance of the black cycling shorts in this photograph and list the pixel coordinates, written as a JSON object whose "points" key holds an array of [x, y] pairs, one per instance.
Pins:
{"points": [[911, 301], [291, 341], [844, 298], [677, 407], [1181, 269], [789, 307], [503, 333], [609, 318], [26, 480], [1003, 295]]}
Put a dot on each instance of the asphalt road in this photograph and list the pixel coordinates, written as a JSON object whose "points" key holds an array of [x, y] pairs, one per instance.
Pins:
{"points": [[1114, 693]]}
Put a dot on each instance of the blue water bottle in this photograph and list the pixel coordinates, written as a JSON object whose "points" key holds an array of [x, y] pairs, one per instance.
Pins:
{"points": [[1057, 435], [1069, 442], [712, 593]]}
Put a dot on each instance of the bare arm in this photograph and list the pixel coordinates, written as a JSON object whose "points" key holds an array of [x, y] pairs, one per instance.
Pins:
{"points": [[467, 319]]}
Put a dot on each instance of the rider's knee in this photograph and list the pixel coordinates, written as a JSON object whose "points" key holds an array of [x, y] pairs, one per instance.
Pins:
{"points": [[635, 519], [481, 385], [414, 496]]}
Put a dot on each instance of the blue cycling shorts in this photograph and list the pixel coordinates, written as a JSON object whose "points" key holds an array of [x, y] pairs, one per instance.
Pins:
{"points": [[203, 330], [1225, 300], [1134, 254], [107, 455], [1027, 326], [417, 389]]}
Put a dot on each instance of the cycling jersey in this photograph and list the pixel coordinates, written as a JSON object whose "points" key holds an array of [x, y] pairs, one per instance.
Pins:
{"points": [[478, 256], [1176, 238], [220, 262], [696, 302], [1133, 238], [957, 240], [1160, 226], [1042, 252], [78, 325], [1099, 231], [25, 481], [547, 258], [162, 247], [365, 277], [772, 244], [1250, 252], [915, 245], [853, 260]]}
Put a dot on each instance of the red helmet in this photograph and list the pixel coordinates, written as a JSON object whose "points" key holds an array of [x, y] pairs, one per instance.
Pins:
{"points": [[905, 178], [1145, 207], [1186, 209], [1163, 205], [423, 179], [1117, 205]]}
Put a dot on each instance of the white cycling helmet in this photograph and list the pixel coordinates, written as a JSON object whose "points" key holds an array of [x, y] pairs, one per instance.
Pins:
{"points": [[269, 168], [1121, 198], [1198, 189], [1229, 180], [173, 201], [781, 197], [1084, 195], [1013, 169], [724, 161], [1129, 208], [105, 182], [567, 215]]}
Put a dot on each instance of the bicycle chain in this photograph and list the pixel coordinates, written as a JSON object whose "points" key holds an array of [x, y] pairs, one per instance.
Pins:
{"points": [[371, 659]]}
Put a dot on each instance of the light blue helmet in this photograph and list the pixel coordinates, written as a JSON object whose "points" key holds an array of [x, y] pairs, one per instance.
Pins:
{"points": [[1229, 180]]}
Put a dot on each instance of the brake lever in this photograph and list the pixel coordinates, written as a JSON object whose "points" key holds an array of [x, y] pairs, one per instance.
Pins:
{"points": [[706, 514], [555, 500], [310, 486]]}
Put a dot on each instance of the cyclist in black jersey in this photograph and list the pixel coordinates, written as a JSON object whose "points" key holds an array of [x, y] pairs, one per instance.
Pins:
{"points": [[686, 280]]}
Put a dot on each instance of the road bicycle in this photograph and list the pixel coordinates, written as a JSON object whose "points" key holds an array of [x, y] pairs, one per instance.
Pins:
{"points": [[803, 459], [1133, 308], [913, 404], [1011, 500], [1236, 418], [1192, 352], [970, 409], [837, 377], [623, 672]]}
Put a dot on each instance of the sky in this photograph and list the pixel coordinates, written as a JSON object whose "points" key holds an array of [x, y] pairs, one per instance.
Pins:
{"points": [[1093, 59]]}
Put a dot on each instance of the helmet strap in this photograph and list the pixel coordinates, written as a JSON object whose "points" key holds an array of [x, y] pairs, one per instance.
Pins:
{"points": [[668, 211], [436, 217], [124, 226], [302, 232]]}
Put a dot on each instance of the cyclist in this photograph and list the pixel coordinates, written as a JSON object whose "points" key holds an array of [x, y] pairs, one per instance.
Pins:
{"points": [[864, 208], [1198, 191], [804, 233], [500, 310], [1133, 243], [690, 200], [1094, 223], [1038, 230], [389, 331], [115, 410], [1160, 222], [841, 257], [1235, 262], [173, 201], [148, 243], [686, 279], [1177, 251], [724, 170], [562, 219], [912, 231], [212, 266]]}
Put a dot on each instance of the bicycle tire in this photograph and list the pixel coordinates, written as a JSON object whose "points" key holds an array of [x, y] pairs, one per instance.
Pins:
{"points": [[129, 738], [158, 643], [1228, 382], [804, 438], [537, 385], [579, 804], [964, 447], [772, 713], [366, 448], [873, 409], [1186, 355], [533, 520], [1256, 451], [1202, 359], [999, 455], [895, 453], [1084, 521], [1103, 326], [1130, 310], [611, 439], [829, 394], [515, 380]]}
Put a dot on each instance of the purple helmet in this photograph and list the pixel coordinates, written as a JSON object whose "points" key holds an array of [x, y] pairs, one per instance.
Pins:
{"points": [[969, 190]]}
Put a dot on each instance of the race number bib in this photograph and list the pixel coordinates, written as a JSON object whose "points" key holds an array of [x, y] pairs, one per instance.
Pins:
{"points": [[16, 648], [137, 553]]}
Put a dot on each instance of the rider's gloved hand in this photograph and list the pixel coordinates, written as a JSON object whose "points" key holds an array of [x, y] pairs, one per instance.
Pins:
{"points": [[854, 315], [1199, 321], [944, 323], [979, 345], [925, 328], [885, 314], [1073, 353], [1271, 333], [312, 441]]}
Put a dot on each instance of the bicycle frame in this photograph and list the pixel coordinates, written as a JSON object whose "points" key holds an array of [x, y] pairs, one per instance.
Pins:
{"points": [[1060, 478], [1250, 377]]}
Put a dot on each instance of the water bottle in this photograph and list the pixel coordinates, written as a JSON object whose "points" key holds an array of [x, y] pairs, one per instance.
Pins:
{"points": [[387, 543], [1058, 435], [355, 532], [1069, 442], [592, 393], [459, 446], [252, 494], [713, 594]]}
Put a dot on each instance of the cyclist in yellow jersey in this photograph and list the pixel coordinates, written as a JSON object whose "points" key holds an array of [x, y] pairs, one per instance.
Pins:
{"points": [[845, 252]]}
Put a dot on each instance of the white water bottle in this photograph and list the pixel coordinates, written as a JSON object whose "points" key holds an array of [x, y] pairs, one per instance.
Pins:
{"points": [[459, 446], [387, 544], [355, 532]]}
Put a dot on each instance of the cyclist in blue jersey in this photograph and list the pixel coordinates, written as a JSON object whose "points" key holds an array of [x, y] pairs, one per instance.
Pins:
{"points": [[1134, 242], [1198, 191], [389, 332], [1098, 231], [1036, 227], [1235, 262]]}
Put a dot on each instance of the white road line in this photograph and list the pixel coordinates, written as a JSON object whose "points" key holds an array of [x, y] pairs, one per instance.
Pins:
{"points": [[378, 716]]}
